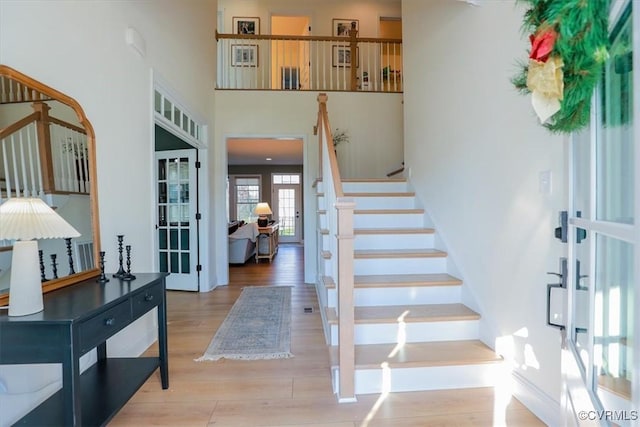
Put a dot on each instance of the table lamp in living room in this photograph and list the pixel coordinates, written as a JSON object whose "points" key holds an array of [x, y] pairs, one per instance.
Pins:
{"points": [[26, 219], [262, 210]]}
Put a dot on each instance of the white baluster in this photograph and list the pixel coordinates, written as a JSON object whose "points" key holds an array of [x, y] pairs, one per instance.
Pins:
{"points": [[15, 166], [25, 183], [7, 175], [32, 168], [37, 158], [67, 156]]}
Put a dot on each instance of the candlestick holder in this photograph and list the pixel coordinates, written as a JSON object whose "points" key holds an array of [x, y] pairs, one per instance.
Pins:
{"points": [[70, 254], [43, 278], [102, 278], [54, 265], [128, 275], [120, 274]]}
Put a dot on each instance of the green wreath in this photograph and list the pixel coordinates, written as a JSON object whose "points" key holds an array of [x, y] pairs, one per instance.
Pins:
{"points": [[573, 33]]}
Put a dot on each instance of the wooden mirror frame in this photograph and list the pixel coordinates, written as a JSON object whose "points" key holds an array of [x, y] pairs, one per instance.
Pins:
{"points": [[55, 95]]}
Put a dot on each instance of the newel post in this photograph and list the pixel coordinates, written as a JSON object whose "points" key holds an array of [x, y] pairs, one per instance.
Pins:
{"points": [[44, 146], [353, 46], [346, 313]]}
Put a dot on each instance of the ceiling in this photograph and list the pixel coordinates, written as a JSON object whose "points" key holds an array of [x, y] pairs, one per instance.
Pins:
{"points": [[255, 151]]}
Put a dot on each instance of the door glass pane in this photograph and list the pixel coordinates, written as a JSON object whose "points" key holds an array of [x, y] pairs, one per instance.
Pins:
{"points": [[581, 305], [615, 170], [582, 173], [613, 315]]}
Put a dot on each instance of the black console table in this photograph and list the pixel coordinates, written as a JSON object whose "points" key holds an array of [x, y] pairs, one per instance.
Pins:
{"points": [[75, 320]]}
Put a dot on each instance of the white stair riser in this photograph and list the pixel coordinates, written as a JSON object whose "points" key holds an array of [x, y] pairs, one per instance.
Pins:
{"points": [[322, 220], [321, 203], [400, 295], [386, 333], [374, 187], [325, 242], [394, 241], [399, 266], [374, 202], [369, 381], [404, 220]]}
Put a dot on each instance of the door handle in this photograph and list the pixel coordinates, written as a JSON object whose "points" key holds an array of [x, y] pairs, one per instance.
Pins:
{"points": [[550, 287]]}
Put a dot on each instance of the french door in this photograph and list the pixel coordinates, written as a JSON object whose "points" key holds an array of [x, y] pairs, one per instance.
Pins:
{"points": [[600, 354], [176, 218]]}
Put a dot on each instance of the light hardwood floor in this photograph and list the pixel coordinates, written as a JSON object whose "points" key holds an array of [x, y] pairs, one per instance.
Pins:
{"points": [[286, 392]]}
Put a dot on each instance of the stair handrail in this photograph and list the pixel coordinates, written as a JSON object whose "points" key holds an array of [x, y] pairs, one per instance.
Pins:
{"points": [[340, 225], [18, 125]]}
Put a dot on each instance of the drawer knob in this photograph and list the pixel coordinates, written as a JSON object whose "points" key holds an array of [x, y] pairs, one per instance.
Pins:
{"points": [[110, 321], [148, 297]]}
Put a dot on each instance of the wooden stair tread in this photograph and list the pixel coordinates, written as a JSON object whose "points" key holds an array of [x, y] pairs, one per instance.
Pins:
{"points": [[409, 313], [387, 211], [326, 254], [398, 280], [374, 180], [418, 355], [393, 231], [381, 194], [398, 253]]}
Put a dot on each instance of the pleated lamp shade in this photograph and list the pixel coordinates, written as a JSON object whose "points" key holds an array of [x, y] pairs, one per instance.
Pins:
{"points": [[27, 218], [24, 219]]}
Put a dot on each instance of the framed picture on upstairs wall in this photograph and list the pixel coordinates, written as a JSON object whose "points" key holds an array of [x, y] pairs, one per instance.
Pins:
{"points": [[341, 56], [244, 55], [246, 25], [341, 27]]}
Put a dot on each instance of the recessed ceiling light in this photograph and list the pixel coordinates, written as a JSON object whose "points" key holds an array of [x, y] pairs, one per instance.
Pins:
{"points": [[268, 159]]}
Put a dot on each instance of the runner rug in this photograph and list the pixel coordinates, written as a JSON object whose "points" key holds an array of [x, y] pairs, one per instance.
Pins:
{"points": [[257, 327]]}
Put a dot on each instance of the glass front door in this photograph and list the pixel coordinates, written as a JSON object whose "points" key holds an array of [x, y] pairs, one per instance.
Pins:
{"points": [[601, 342]]}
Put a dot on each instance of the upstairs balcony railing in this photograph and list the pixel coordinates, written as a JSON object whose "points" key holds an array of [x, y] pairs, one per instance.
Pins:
{"points": [[270, 62]]}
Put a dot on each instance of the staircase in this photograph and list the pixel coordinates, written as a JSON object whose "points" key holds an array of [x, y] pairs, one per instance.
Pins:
{"points": [[411, 330]]}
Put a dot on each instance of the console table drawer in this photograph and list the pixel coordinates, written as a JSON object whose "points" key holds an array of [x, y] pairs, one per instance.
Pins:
{"points": [[97, 329], [144, 301]]}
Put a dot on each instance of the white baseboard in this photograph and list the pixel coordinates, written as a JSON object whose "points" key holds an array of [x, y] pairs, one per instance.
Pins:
{"points": [[537, 401]]}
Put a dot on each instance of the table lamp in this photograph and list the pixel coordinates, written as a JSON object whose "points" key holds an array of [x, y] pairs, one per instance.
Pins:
{"points": [[262, 210], [26, 219]]}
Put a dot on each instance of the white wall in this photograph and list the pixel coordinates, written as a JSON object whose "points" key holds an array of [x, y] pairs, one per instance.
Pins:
{"points": [[475, 150], [374, 122], [79, 48], [321, 13]]}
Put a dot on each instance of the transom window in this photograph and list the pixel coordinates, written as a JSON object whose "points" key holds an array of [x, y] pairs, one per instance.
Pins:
{"points": [[286, 179]]}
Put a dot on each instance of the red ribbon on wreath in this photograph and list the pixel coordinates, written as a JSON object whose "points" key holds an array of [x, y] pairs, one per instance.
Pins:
{"points": [[544, 77]]}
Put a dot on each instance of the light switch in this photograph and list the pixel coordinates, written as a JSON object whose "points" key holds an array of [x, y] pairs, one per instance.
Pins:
{"points": [[544, 179]]}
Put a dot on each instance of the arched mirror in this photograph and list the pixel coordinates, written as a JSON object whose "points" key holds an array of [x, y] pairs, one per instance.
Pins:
{"points": [[47, 151]]}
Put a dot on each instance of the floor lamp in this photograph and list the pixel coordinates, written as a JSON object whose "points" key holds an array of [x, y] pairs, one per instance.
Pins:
{"points": [[27, 219]]}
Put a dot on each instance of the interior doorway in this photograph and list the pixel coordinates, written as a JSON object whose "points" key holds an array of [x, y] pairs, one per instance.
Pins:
{"points": [[291, 59], [261, 159]]}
